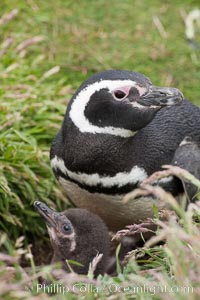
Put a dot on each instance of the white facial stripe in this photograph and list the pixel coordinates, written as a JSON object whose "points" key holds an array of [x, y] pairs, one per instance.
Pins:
{"points": [[51, 233], [73, 242], [80, 102], [71, 237], [120, 179]]}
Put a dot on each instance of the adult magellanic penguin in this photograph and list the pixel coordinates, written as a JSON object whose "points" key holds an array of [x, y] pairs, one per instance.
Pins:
{"points": [[118, 129]]}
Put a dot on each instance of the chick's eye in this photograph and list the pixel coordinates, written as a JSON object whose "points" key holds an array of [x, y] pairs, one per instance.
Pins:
{"points": [[66, 228], [119, 94]]}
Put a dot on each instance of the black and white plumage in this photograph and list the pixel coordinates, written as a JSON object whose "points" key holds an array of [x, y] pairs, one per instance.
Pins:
{"points": [[118, 129], [78, 235]]}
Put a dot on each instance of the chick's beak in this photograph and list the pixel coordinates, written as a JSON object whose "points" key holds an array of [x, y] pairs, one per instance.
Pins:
{"points": [[48, 214], [161, 96]]}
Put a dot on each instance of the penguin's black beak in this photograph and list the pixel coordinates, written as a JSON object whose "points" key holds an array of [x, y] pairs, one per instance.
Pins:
{"points": [[46, 213], [161, 96]]}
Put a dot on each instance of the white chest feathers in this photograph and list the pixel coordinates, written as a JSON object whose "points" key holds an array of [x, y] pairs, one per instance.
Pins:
{"points": [[134, 176]]}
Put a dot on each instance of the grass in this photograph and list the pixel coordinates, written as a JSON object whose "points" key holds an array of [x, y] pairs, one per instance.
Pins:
{"points": [[46, 51]]}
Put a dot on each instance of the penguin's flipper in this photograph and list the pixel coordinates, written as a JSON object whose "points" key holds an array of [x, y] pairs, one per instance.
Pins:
{"points": [[187, 156]]}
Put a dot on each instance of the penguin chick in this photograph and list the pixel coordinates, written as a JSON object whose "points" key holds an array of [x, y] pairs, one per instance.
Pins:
{"points": [[187, 156], [77, 235]]}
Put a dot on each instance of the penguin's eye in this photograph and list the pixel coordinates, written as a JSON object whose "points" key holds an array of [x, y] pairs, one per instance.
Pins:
{"points": [[119, 94], [66, 228]]}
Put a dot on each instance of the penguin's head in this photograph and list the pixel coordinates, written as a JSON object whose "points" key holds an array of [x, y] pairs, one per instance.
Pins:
{"points": [[72, 229], [118, 103], [76, 234], [60, 229]]}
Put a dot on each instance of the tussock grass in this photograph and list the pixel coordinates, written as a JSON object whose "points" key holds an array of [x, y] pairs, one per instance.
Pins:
{"points": [[168, 271], [46, 51]]}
